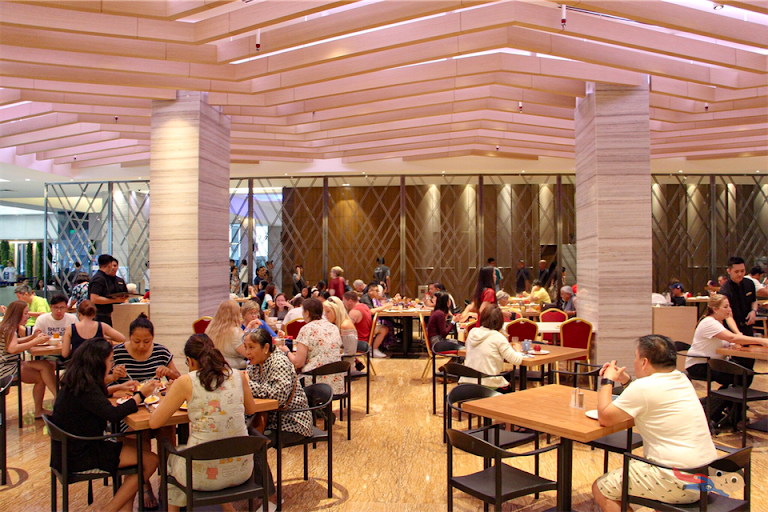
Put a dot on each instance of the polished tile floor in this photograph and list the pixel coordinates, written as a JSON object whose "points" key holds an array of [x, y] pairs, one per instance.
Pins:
{"points": [[396, 460]]}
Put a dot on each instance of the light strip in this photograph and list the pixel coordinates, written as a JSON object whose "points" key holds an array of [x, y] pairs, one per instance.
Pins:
{"points": [[15, 104]]}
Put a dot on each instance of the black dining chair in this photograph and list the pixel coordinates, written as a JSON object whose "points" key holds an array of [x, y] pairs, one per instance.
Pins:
{"points": [[231, 447], [740, 393], [320, 398], [443, 348], [709, 500], [5, 384], [338, 367], [364, 349], [498, 482], [60, 441]]}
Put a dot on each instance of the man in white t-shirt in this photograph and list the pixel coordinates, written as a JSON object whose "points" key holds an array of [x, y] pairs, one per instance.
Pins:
{"points": [[57, 321], [754, 275], [297, 312], [667, 414]]}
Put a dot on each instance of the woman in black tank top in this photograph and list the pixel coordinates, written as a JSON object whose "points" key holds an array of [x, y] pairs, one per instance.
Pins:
{"points": [[86, 329]]}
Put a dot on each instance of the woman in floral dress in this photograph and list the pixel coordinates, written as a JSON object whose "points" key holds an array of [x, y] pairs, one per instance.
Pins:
{"points": [[319, 343]]}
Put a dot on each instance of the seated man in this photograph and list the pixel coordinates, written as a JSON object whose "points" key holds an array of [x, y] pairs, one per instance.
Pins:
{"points": [[755, 275], [55, 323], [567, 301], [37, 305], [538, 293], [678, 297], [359, 314], [669, 416]]}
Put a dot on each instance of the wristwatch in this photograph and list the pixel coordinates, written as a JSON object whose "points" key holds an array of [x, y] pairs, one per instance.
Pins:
{"points": [[605, 381], [138, 392]]}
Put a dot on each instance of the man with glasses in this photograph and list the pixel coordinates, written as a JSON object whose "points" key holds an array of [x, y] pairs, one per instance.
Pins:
{"points": [[37, 305], [54, 324]]}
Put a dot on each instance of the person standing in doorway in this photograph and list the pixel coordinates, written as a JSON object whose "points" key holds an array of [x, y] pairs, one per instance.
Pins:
{"points": [[492, 262], [522, 278]]}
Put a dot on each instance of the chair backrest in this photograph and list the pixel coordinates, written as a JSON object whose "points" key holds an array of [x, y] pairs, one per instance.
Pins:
{"points": [[426, 338], [5, 384], [553, 315], [466, 392], [318, 395], [201, 324], [374, 319], [363, 347], [576, 333], [473, 445], [680, 346], [293, 327], [721, 365], [225, 448], [471, 326], [460, 370], [330, 369], [577, 375], [523, 329], [53, 431]]}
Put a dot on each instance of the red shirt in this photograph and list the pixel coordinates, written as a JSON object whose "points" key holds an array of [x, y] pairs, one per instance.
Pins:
{"points": [[363, 326], [337, 285], [489, 295]]}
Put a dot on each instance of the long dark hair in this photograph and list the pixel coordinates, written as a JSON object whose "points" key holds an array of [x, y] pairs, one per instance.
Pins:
{"points": [[441, 301], [87, 367], [212, 368], [141, 322], [484, 280], [11, 320]]}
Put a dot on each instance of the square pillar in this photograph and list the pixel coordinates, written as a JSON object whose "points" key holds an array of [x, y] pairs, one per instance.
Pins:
{"points": [[613, 217], [189, 216]]}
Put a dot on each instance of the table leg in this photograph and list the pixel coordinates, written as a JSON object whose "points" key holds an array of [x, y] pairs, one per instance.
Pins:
{"points": [[564, 474], [523, 377], [139, 463], [407, 340]]}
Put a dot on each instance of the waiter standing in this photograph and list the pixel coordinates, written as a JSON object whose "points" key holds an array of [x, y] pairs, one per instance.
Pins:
{"points": [[742, 297], [102, 285]]}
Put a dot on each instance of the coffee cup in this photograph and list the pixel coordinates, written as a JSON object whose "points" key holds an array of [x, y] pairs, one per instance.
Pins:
{"points": [[526, 345]]}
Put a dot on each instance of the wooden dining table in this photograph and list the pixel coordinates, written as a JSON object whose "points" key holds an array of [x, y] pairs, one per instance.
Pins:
{"points": [[555, 355], [139, 423], [45, 350], [547, 409], [407, 315]]}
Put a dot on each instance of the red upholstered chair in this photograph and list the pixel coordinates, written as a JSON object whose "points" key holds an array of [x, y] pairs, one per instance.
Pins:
{"points": [[523, 328], [293, 327], [576, 333], [201, 324], [552, 315]]}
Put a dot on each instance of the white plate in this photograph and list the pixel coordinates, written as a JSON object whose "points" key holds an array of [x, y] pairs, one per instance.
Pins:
{"points": [[183, 406], [592, 413], [539, 353], [123, 400], [151, 399]]}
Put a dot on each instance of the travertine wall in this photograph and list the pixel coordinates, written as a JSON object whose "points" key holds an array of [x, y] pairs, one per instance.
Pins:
{"points": [[613, 217], [189, 241]]}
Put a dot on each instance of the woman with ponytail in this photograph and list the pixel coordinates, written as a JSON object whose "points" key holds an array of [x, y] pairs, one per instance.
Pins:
{"points": [[218, 398]]}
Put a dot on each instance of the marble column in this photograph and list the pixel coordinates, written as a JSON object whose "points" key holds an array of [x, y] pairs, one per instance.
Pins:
{"points": [[613, 217], [189, 216]]}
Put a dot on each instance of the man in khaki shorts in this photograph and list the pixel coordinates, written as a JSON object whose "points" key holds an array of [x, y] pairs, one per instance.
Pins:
{"points": [[669, 417]]}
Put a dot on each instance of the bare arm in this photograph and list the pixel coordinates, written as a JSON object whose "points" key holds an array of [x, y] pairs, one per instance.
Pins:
{"points": [[298, 358], [248, 403], [17, 345], [176, 395], [607, 413], [66, 342], [112, 333], [355, 316], [730, 337]]}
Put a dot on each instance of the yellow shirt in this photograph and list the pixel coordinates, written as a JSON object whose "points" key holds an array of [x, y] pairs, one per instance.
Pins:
{"points": [[540, 296]]}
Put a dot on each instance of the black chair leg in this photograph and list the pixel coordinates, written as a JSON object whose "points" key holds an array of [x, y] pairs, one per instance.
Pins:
{"points": [[21, 410], [605, 462], [450, 498], [65, 496], [53, 492], [306, 459]]}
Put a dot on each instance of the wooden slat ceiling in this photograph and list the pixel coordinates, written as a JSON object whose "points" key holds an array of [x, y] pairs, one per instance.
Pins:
{"points": [[368, 80]]}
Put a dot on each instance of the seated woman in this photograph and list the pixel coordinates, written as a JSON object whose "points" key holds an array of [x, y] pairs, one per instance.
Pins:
{"points": [[318, 343], [210, 385], [253, 318], [487, 349], [438, 328], [269, 297], [86, 329], [227, 335], [282, 307], [567, 301], [82, 408], [39, 373], [142, 359], [336, 313], [271, 375], [485, 293], [711, 335], [538, 294], [384, 326]]}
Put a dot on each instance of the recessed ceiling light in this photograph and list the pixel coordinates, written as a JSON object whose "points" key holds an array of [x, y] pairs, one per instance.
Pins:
{"points": [[757, 170], [139, 177], [680, 170], [345, 184], [523, 171], [3, 181], [27, 179], [717, 7]]}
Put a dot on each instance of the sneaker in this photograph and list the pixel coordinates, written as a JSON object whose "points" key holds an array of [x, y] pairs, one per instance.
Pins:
{"points": [[379, 354]]}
